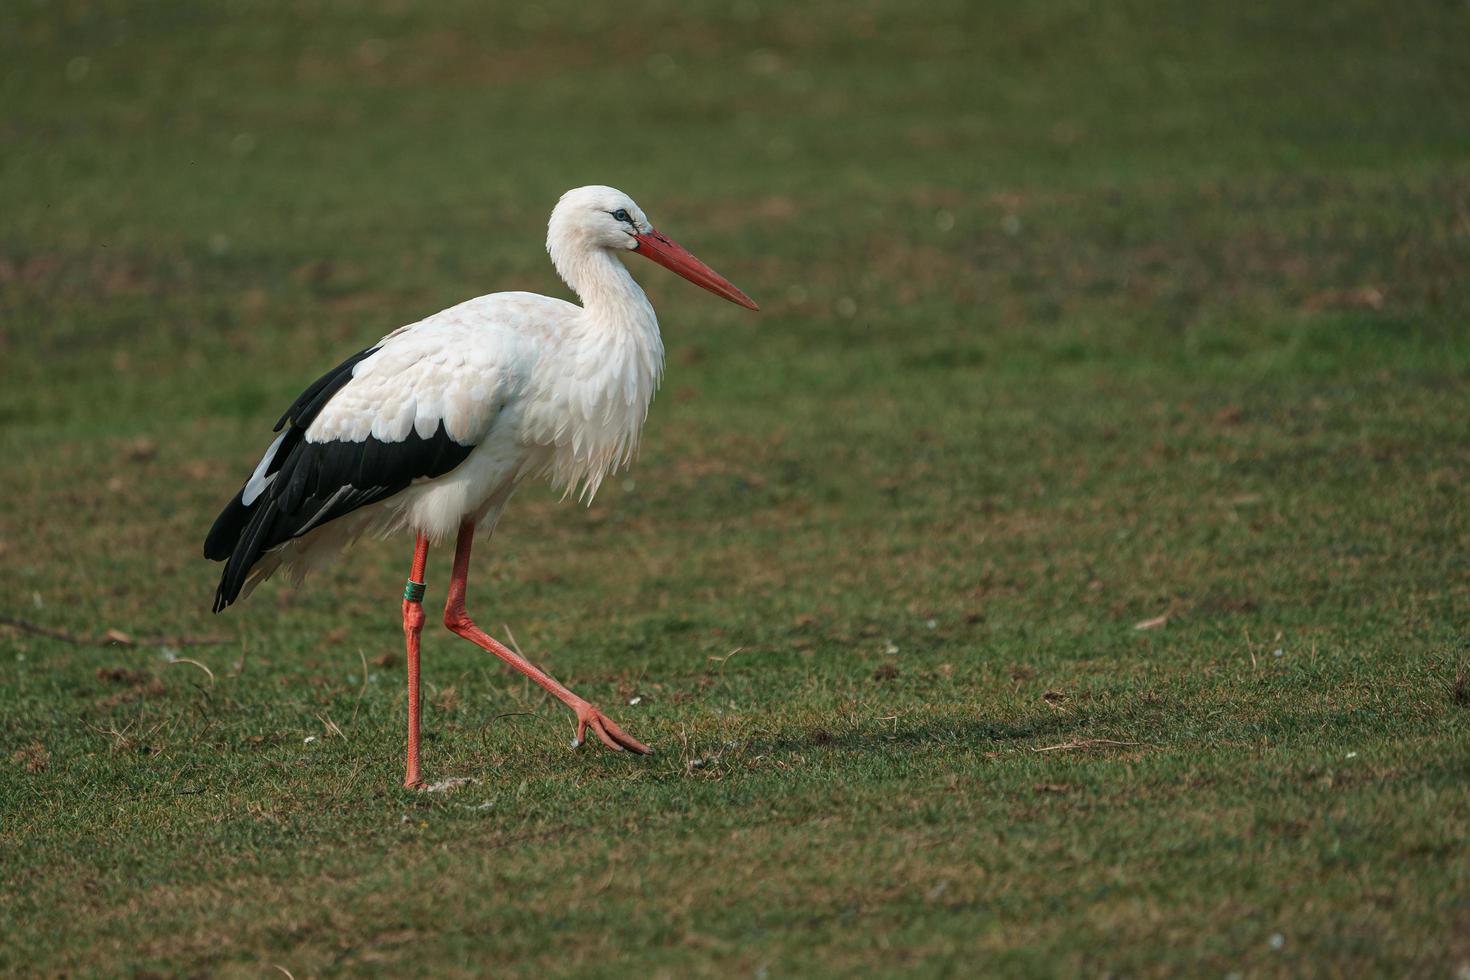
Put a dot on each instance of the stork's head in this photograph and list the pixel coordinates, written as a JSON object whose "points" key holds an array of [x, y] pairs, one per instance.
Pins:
{"points": [[598, 217]]}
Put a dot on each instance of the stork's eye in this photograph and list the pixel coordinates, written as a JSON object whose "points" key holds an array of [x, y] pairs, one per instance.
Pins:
{"points": [[622, 215]]}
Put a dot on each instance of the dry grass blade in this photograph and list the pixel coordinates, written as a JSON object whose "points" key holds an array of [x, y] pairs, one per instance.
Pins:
{"points": [[122, 741], [120, 738], [512, 638], [331, 727], [195, 663], [1087, 743], [722, 660]]}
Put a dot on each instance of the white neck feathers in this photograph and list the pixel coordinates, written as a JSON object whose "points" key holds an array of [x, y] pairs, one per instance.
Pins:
{"points": [[598, 389]]}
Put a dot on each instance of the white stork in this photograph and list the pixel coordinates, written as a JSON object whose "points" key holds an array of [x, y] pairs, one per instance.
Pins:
{"points": [[432, 428]]}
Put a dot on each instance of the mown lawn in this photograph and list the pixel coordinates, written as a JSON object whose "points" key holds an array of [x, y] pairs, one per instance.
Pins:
{"points": [[1066, 573]]}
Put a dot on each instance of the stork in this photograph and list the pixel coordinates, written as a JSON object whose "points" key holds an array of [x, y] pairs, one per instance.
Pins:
{"points": [[432, 429]]}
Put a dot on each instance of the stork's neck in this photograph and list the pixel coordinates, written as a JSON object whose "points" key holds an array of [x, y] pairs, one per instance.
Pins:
{"points": [[612, 359], [611, 297], [619, 329]]}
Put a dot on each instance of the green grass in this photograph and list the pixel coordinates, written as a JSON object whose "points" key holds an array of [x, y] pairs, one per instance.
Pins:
{"points": [[1075, 316]]}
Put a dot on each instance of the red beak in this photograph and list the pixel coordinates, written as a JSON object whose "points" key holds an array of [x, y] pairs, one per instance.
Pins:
{"points": [[671, 255]]}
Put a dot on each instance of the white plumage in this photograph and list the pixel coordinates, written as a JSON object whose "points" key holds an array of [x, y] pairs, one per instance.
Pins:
{"points": [[532, 383], [434, 427], [539, 387]]}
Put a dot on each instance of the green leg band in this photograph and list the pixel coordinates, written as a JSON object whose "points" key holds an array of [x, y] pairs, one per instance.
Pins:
{"points": [[414, 591]]}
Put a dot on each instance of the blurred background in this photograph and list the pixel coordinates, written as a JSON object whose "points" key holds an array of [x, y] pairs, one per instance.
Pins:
{"points": [[943, 209], [1110, 382]]}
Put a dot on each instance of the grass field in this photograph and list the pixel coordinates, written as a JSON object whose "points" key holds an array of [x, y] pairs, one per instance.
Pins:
{"points": [[1066, 573]]}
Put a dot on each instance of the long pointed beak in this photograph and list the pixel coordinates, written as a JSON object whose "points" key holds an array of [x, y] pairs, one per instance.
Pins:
{"points": [[671, 255]]}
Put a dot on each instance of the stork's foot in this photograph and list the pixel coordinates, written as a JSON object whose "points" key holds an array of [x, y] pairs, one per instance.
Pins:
{"points": [[606, 729]]}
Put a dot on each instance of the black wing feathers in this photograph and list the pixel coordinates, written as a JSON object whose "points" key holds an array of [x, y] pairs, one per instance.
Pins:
{"points": [[315, 483], [320, 482], [225, 534], [226, 530]]}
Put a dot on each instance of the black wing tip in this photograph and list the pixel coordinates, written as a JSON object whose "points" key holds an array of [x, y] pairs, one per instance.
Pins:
{"points": [[228, 589], [230, 585], [223, 535]]}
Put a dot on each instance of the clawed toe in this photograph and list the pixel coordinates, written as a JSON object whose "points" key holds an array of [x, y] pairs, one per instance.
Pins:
{"points": [[607, 732]]}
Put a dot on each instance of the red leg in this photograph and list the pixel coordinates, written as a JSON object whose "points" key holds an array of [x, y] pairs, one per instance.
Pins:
{"points": [[460, 623], [413, 625]]}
